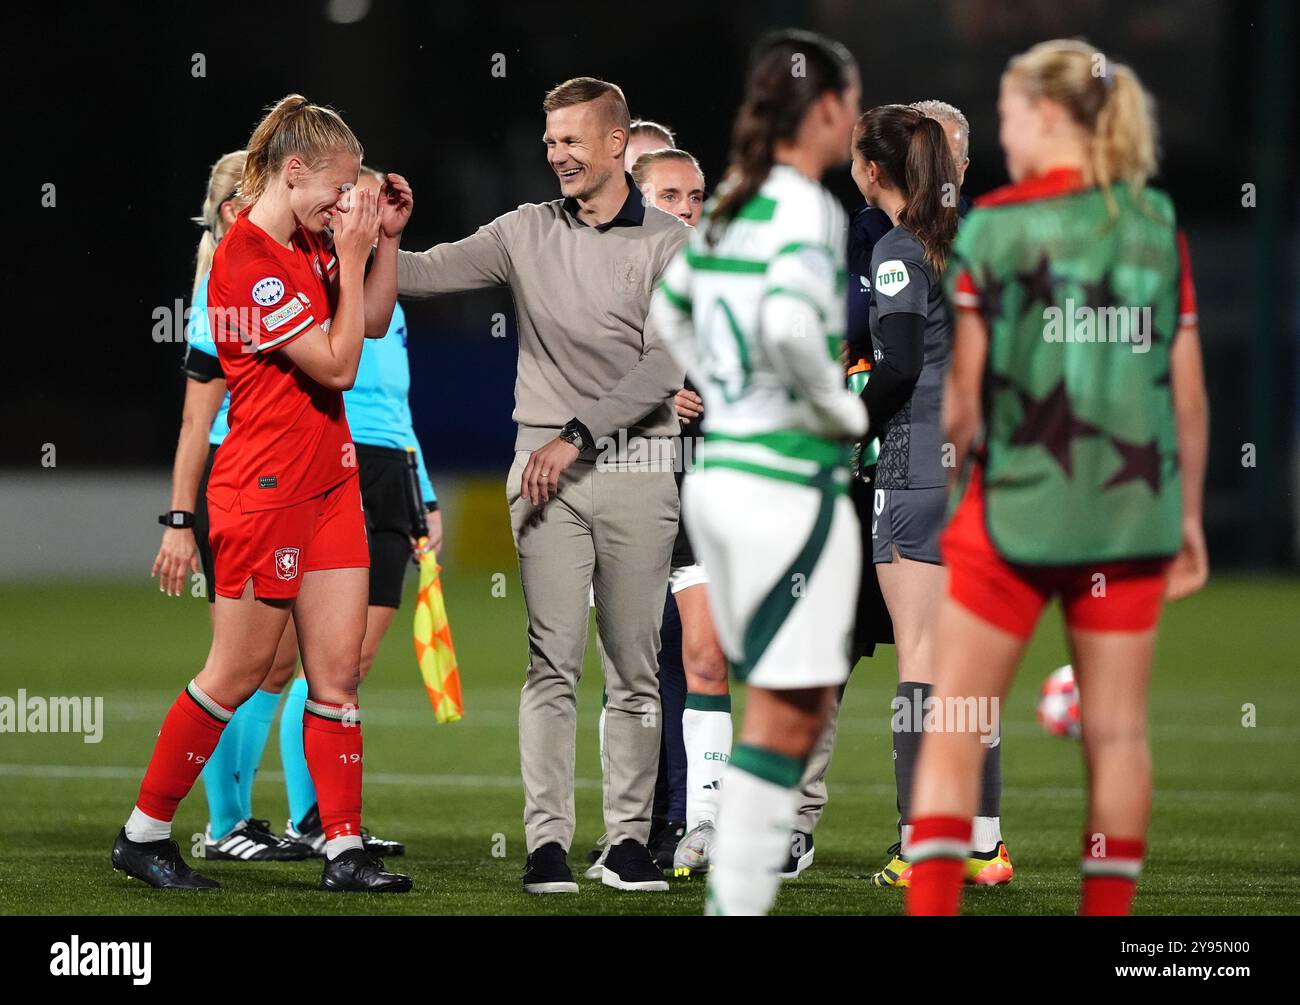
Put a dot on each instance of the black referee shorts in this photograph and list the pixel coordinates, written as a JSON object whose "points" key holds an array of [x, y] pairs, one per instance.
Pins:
{"points": [[382, 473], [384, 496], [201, 527]]}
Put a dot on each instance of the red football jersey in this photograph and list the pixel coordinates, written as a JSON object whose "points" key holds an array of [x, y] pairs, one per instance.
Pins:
{"points": [[289, 438]]}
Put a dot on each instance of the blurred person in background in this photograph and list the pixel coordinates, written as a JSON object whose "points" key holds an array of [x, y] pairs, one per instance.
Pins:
{"points": [[672, 180], [1088, 454], [754, 307], [644, 136], [989, 863]]}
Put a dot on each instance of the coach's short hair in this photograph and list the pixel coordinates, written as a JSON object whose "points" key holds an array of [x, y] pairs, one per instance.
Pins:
{"points": [[941, 111], [580, 90], [646, 127], [648, 160]]}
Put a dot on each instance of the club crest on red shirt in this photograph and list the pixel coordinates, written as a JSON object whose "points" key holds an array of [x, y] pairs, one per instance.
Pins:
{"points": [[286, 563]]}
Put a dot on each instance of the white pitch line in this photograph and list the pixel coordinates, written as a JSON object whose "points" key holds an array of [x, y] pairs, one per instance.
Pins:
{"points": [[843, 790], [850, 724]]}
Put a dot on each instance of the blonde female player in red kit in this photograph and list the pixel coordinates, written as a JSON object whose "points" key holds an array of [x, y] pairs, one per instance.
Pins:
{"points": [[289, 312], [1090, 470]]}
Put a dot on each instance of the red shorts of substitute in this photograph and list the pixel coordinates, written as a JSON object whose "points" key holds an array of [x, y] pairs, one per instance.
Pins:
{"points": [[1012, 596], [275, 547]]}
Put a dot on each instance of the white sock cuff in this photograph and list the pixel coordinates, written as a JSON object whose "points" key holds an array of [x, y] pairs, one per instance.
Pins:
{"points": [[209, 704], [985, 833], [141, 827], [335, 847]]}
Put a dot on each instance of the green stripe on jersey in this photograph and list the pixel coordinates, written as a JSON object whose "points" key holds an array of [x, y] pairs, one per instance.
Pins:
{"points": [[777, 474], [787, 291], [792, 443], [717, 263], [682, 303], [796, 246], [761, 208]]}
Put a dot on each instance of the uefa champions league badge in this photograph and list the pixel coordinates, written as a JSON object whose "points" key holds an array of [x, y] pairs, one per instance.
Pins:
{"points": [[268, 292]]}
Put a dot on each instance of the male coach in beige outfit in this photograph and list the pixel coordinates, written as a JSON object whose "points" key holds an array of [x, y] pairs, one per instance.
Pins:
{"points": [[592, 383]]}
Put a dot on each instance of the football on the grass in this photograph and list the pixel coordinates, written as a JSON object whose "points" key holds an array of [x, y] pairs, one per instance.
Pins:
{"points": [[1058, 706]]}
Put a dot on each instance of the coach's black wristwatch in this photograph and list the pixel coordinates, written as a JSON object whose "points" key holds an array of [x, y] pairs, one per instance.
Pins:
{"points": [[177, 518], [576, 433]]}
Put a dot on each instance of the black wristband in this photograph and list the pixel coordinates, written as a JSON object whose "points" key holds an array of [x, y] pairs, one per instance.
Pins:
{"points": [[177, 518]]}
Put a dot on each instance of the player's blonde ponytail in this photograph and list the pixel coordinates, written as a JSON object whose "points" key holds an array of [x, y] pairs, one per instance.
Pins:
{"points": [[293, 126], [223, 184], [1105, 98], [1125, 144]]}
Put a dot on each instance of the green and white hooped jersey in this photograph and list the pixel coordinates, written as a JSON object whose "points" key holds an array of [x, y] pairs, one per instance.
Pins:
{"points": [[758, 318]]}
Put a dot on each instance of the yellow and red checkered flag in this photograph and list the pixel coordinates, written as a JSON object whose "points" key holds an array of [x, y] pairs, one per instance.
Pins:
{"points": [[433, 647], [432, 633]]}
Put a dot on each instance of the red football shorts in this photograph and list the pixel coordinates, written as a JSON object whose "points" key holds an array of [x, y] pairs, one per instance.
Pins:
{"points": [[1011, 596], [275, 547]]}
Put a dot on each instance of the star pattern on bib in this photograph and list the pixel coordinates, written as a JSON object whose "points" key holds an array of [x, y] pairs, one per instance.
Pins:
{"points": [[990, 291], [1101, 294], [1051, 424], [1139, 462], [1039, 284]]}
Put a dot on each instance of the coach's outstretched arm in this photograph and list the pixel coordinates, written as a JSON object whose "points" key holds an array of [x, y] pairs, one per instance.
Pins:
{"points": [[472, 263]]}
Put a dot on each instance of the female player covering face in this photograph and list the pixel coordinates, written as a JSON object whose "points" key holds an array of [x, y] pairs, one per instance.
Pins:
{"points": [[287, 530], [228, 774], [1089, 477], [753, 307]]}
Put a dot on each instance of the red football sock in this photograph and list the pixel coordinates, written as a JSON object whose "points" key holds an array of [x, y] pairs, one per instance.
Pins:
{"points": [[937, 850], [188, 736], [1110, 871], [331, 740]]}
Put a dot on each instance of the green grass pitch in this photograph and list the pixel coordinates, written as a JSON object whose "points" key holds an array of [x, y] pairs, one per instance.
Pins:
{"points": [[1223, 839]]}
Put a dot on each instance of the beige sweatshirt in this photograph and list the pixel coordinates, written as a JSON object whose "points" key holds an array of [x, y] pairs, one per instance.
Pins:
{"points": [[582, 296]]}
